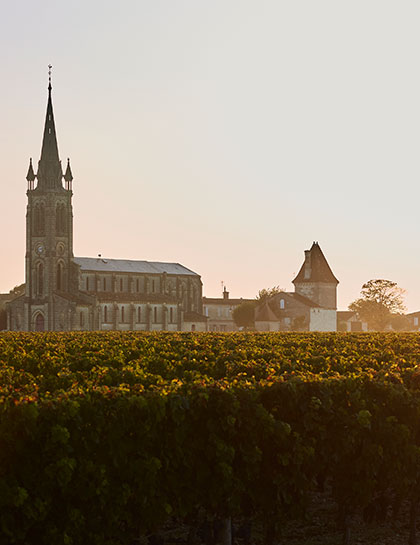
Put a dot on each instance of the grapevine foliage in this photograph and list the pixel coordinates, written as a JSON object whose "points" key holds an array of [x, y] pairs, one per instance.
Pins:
{"points": [[105, 436]]}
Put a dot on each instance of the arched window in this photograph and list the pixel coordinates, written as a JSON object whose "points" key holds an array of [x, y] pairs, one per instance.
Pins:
{"points": [[36, 220], [138, 285], [40, 220], [282, 303], [105, 314], [39, 322], [155, 315], [59, 276], [60, 219], [171, 315], [122, 315], [153, 286], [121, 284], [40, 279], [104, 281], [87, 283], [139, 314]]}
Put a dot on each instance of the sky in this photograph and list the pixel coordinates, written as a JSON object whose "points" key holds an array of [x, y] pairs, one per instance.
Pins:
{"points": [[225, 135]]}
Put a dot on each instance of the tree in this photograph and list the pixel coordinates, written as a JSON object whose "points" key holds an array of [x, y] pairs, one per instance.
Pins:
{"points": [[266, 293], [244, 314], [379, 302]]}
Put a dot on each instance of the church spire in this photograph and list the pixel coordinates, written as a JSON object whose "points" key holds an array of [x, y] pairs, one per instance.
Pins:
{"points": [[49, 167]]}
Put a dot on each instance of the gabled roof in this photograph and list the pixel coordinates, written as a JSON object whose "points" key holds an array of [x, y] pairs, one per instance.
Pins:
{"points": [[225, 302], [304, 300], [264, 313], [194, 317], [315, 268], [99, 264]]}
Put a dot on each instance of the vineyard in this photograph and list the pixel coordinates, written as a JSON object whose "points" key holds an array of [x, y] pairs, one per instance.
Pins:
{"points": [[112, 438]]}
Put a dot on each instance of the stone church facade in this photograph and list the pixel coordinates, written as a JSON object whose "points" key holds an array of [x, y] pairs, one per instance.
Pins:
{"points": [[67, 293]]}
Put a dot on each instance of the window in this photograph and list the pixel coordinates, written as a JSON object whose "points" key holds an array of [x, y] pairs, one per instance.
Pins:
{"points": [[122, 314], [171, 315], [105, 314], [39, 219], [121, 284], [192, 327], [60, 219], [40, 283], [104, 286], [155, 315], [138, 285], [153, 286], [139, 314], [59, 276], [39, 322], [416, 321], [87, 283], [282, 303]]}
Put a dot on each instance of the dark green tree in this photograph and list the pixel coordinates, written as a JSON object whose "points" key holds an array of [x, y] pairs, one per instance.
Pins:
{"points": [[379, 302], [244, 314]]}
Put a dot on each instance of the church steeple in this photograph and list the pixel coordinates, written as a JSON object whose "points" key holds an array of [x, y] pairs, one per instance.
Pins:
{"points": [[50, 173]]}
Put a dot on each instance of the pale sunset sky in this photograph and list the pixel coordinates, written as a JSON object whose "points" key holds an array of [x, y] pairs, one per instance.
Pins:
{"points": [[226, 135]]}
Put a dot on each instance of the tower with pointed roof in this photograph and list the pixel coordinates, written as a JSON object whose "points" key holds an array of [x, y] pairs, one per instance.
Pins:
{"points": [[67, 293], [315, 280], [49, 232]]}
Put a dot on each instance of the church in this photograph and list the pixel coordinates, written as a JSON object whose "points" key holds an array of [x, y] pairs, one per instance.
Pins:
{"points": [[67, 293]]}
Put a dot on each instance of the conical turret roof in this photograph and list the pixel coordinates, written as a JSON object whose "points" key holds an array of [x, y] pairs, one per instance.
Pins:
{"points": [[68, 175], [31, 174], [315, 268]]}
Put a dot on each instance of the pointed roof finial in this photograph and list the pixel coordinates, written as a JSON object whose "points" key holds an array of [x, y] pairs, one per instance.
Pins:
{"points": [[49, 77], [31, 174], [68, 176]]}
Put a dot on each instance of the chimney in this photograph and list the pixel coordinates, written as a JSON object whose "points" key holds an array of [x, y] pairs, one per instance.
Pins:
{"points": [[225, 294], [308, 268]]}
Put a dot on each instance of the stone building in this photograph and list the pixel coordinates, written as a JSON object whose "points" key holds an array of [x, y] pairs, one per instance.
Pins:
{"points": [[64, 293], [313, 304], [218, 311]]}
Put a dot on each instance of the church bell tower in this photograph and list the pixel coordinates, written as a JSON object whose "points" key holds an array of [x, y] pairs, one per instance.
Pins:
{"points": [[49, 233]]}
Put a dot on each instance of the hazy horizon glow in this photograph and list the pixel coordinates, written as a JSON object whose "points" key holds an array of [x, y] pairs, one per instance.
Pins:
{"points": [[226, 136]]}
